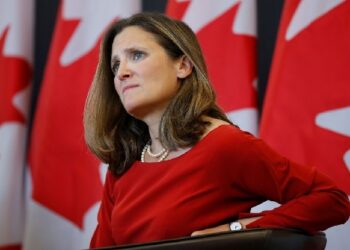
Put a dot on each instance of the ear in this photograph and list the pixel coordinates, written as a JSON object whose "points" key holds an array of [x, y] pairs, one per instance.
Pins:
{"points": [[184, 67]]}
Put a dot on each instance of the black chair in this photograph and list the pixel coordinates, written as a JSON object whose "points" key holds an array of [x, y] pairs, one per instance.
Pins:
{"points": [[250, 239]]}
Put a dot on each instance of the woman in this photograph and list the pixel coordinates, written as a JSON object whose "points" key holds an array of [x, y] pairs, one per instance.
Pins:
{"points": [[177, 166]]}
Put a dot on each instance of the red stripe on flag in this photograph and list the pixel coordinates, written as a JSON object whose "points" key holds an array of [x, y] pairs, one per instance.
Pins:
{"points": [[11, 247], [309, 90], [227, 35], [65, 174]]}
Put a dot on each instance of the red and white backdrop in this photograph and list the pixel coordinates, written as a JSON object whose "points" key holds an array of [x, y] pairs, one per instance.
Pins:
{"points": [[226, 30], [306, 114], [16, 41], [66, 179]]}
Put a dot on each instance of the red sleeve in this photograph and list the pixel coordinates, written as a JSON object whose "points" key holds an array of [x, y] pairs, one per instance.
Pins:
{"points": [[103, 234], [310, 200]]}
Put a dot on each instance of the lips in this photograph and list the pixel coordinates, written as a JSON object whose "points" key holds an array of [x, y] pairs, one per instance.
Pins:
{"points": [[130, 86]]}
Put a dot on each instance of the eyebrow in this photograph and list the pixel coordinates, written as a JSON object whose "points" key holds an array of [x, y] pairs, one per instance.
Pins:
{"points": [[127, 50]]}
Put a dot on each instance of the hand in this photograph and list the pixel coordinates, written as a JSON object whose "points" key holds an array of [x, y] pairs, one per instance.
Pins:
{"points": [[225, 227]]}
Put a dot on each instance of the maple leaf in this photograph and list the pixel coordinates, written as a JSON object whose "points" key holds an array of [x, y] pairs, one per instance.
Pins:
{"points": [[15, 75]]}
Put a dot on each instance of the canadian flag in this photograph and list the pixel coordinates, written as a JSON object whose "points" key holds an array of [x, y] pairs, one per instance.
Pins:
{"points": [[226, 30], [306, 113], [66, 178], [16, 41]]}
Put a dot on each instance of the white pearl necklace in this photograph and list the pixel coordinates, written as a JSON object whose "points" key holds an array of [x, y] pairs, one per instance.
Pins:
{"points": [[161, 155], [155, 155]]}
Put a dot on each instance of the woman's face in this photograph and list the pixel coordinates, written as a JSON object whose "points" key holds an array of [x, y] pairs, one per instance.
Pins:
{"points": [[145, 77]]}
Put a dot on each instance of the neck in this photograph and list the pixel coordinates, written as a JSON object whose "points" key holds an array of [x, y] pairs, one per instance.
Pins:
{"points": [[153, 123]]}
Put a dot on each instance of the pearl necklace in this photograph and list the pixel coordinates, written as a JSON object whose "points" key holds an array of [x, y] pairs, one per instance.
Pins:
{"points": [[157, 155], [161, 155]]}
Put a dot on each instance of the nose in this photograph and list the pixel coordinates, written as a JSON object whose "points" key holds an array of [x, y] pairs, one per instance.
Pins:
{"points": [[123, 71]]}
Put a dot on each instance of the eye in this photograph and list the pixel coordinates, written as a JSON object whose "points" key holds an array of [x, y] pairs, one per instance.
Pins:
{"points": [[115, 67], [137, 55]]}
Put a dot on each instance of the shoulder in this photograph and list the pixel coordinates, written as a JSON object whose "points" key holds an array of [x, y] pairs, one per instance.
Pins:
{"points": [[214, 124], [225, 131], [231, 141], [110, 179]]}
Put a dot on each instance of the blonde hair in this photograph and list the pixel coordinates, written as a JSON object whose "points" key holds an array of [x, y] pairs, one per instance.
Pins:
{"points": [[117, 138]]}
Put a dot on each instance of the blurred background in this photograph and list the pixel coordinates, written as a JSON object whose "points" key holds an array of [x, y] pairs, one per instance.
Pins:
{"points": [[279, 68]]}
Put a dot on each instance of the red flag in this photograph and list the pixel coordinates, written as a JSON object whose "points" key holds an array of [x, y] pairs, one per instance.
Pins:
{"points": [[65, 176], [307, 107], [227, 33], [16, 33]]}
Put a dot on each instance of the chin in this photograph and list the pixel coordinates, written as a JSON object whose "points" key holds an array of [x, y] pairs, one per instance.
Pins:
{"points": [[139, 112], [133, 109]]}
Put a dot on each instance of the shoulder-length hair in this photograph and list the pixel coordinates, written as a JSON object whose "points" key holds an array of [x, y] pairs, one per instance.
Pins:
{"points": [[116, 137]]}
